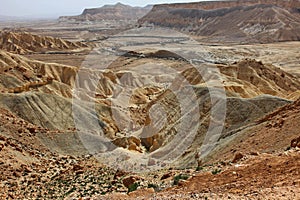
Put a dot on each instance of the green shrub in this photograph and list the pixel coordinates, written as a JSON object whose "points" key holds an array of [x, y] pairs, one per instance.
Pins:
{"points": [[199, 168], [216, 171], [154, 186], [133, 187], [178, 177]]}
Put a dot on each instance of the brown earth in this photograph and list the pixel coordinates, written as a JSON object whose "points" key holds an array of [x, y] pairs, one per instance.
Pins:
{"points": [[264, 176]]}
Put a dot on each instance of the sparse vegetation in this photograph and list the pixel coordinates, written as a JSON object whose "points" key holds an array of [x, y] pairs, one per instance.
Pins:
{"points": [[154, 186], [216, 171], [199, 168], [180, 177], [133, 187]]}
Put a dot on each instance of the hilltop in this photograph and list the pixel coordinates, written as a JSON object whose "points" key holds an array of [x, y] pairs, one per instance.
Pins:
{"points": [[109, 12]]}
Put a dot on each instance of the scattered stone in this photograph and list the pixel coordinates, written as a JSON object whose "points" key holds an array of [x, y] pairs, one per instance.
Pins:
{"points": [[181, 182], [254, 153], [17, 174], [128, 181], [142, 192], [295, 142], [32, 130], [237, 157], [165, 176], [151, 162], [79, 172], [1, 146], [119, 173], [77, 167]]}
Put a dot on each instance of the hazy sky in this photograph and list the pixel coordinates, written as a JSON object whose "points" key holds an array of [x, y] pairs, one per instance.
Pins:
{"points": [[55, 8]]}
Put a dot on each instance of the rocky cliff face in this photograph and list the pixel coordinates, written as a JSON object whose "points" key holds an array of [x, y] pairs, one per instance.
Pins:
{"points": [[110, 12], [212, 5], [231, 21]]}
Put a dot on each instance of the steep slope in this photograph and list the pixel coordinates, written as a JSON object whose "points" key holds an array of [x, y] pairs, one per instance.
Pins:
{"points": [[109, 12], [258, 162], [19, 74], [24, 43], [232, 21], [250, 78], [271, 133], [30, 169]]}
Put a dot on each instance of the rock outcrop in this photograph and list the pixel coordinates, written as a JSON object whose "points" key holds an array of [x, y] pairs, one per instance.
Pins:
{"points": [[295, 142]]}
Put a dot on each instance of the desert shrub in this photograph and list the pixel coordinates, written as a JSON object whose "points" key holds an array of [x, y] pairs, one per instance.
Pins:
{"points": [[154, 186], [216, 171], [179, 177], [199, 168], [133, 187]]}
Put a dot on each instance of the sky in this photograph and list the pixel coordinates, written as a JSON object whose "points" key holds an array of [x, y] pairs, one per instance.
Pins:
{"points": [[56, 8]]}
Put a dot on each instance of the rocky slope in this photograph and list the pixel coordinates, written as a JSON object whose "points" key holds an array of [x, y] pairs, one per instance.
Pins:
{"points": [[260, 161], [245, 179], [272, 133], [109, 12], [231, 21], [250, 78], [24, 43], [29, 170]]}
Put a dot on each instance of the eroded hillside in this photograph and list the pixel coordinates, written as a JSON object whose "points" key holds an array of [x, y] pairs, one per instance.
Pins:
{"points": [[45, 91], [232, 21], [24, 43]]}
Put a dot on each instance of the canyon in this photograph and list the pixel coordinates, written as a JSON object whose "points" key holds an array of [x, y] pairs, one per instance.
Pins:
{"points": [[175, 101]]}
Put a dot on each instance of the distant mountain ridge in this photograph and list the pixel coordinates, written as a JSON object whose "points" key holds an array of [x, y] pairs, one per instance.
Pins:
{"points": [[231, 21], [118, 11], [211, 5]]}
